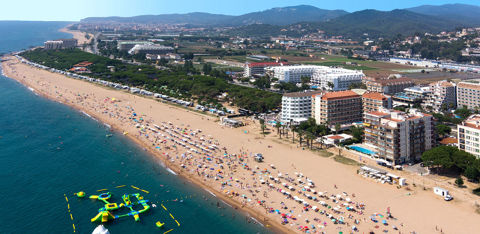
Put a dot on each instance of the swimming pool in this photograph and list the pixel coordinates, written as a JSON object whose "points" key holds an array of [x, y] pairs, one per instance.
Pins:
{"points": [[361, 150]]}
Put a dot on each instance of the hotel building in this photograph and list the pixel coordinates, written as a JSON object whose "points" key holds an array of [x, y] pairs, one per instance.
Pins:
{"points": [[399, 137], [335, 79], [342, 107], [389, 86], [60, 44], [468, 94], [297, 107], [469, 135], [443, 94], [292, 74], [373, 101], [251, 69]]}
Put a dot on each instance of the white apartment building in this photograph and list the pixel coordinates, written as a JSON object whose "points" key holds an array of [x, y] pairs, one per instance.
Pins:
{"points": [[468, 94], [335, 79], [443, 94], [399, 137], [53, 45], [297, 107], [128, 45], [251, 69], [469, 135], [292, 74], [151, 49]]}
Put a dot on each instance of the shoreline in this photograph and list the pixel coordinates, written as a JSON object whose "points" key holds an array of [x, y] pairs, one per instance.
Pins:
{"points": [[272, 226], [332, 175], [79, 35]]}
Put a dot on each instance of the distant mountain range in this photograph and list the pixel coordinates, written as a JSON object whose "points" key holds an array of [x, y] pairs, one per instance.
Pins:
{"points": [[274, 16], [196, 18], [467, 14], [304, 18], [386, 23], [287, 15]]}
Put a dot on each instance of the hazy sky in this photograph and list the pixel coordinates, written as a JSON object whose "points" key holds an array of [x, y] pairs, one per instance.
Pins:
{"points": [[69, 10]]}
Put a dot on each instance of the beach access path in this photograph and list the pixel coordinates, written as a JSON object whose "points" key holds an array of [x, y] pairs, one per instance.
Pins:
{"points": [[415, 210]]}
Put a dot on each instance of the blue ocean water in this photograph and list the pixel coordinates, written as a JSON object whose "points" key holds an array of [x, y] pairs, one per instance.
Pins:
{"points": [[48, 149]]}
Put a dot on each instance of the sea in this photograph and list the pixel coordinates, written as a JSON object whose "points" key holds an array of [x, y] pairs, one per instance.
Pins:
{"points": [[49, 151]]}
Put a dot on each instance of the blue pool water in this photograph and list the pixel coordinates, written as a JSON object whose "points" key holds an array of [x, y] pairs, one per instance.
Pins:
{"points": [[361, 150]]}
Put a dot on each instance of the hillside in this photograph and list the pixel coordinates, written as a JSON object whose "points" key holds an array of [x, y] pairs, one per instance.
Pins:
{"points": [[466, 14], [385, 23], [195, 18], [358, 25], [303, 19], [274, 16], [287, 15]]}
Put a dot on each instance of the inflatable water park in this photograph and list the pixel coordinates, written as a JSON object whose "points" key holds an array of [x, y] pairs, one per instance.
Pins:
{"points": [[120, 206], [105, 213]]}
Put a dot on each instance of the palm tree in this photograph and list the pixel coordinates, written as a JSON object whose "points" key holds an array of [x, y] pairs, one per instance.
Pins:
{"points": [[278, 125], [294, 128], [262, 125], [300, 135], [337, 128], [323, 132], [309, 136]]}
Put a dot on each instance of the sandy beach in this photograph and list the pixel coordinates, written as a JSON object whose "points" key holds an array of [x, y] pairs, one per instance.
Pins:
{"points": [[219, 159], [80, 36]]}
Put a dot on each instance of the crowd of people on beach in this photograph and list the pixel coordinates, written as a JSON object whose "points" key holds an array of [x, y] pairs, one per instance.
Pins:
{"points": [[286, 197], [293, 200]]}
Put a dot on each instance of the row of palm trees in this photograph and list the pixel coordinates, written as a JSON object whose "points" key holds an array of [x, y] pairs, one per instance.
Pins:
{"points": [[307, 132]]}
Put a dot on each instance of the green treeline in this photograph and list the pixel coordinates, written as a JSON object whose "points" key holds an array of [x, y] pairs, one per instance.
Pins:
{"points": [[175, 82], [449, 158]]}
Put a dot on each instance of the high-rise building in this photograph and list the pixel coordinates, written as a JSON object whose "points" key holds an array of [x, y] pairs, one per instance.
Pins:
{"points": [[52, 45], [60, 44], [297, 107], [335, 79], [292, 74], [342, 107], [373, 101], [69, 43], [468, 94], [469, 135], [326, 78], [251, 69], [389, 86], [399, 137], [443, 96]]}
